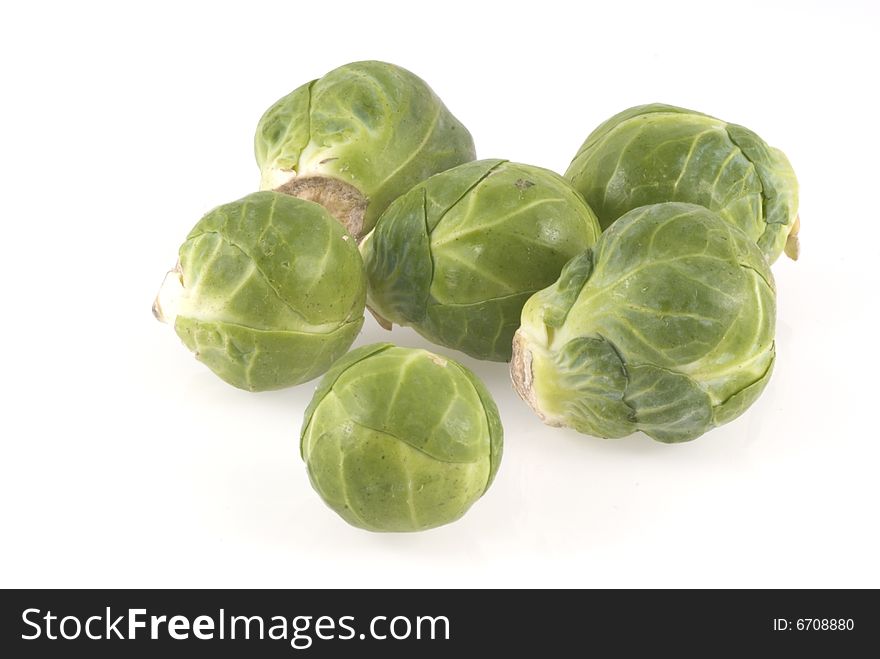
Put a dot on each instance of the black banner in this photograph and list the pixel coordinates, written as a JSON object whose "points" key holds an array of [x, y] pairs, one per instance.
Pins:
{"points": [[333, 623]]}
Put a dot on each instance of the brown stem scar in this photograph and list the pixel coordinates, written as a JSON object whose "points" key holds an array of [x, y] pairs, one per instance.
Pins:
{"points": [[344, 201]]}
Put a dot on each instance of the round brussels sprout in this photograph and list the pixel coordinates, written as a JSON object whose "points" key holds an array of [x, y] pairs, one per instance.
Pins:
{"points": [[268, 291], [666, 326], [356, 139], [655, 153], [398, 439], [458, 255]]}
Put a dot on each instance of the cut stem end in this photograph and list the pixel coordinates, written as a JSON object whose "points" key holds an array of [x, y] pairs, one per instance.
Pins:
{"points": [[166, 303], [343, 201], [522, 376], [793, 243], [383, 323]]}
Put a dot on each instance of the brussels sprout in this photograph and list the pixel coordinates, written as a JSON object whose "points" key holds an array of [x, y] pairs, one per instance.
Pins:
{"points": [[356, 139], [655, 153], [268, 291], [665, 326], [458, 255], [398, 439]]}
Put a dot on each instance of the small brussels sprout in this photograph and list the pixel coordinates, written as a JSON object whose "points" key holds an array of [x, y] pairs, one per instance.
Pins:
{"points": [[666, 326], [268, 291], [458, 255], [656, 153], [398, 439], [356, 139]]}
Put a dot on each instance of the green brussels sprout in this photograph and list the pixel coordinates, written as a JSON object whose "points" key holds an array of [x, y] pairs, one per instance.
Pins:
{"points": [[665, 326], [458, 255], [655, 153], [268, 291], [356, 139], [397, 439]]}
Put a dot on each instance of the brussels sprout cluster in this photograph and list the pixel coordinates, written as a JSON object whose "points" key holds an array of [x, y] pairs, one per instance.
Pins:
{"points": [[632, 294]]}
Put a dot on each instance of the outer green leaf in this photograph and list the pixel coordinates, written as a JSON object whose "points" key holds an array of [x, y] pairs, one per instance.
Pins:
{"points": [[481, 329], [399, 266], [330, 377], [567, 289], [740, 401], [585, 382], [493, 419], [671, 406], [260, 360]]}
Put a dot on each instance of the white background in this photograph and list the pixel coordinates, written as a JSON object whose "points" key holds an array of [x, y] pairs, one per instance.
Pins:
{"points": [[127, 463]]}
